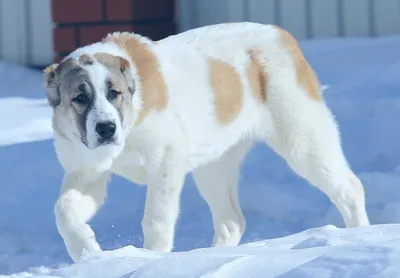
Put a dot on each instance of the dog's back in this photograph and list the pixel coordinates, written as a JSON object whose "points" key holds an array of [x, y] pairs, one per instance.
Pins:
{"points": [[224, 79]]}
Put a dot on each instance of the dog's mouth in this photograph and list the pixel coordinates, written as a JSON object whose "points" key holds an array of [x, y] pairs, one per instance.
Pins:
{"points": [[100, 143], [105, 142]]}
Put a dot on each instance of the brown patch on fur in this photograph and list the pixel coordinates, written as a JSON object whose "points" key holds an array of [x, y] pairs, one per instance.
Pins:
{"points": [[85, 59], [153, 87], [306, 76], [228, 90], [258, 77]]}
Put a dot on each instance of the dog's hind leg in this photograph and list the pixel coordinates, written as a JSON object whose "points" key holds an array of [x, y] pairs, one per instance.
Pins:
{"points": [[304, 131], [81, 197], [308, 139], [218, 185]]}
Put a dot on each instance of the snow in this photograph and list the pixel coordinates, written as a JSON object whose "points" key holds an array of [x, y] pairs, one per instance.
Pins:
{"points": [[23, 128], [292, 228]]}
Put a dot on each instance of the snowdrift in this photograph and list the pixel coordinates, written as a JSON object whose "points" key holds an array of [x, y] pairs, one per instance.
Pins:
{"points": [[293, 230]]}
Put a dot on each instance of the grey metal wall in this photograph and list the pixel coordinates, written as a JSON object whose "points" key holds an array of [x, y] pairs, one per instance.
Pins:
{"points": [[26, 31], [304, 18]]}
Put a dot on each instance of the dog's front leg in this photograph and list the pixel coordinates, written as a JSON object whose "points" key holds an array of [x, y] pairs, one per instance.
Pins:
{"points": [[82, 194], [162, 201]]}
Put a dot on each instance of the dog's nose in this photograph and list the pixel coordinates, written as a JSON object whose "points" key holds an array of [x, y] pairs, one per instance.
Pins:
{"points": [[106, 130]]}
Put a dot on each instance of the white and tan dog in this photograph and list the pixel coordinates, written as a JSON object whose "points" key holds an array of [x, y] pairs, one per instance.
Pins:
{"points": [[194, 102]]}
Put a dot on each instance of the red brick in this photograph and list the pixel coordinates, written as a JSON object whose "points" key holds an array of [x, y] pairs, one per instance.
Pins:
{"points": [[139, 9], [70, 11], [91, 34], [119, 9], [64, 39]]}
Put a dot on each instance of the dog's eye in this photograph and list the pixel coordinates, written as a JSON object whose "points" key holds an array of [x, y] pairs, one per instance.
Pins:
{"points": [[81, 99], [113, 94]]}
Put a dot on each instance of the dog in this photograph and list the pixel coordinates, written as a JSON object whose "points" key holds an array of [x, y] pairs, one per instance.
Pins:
{"points": [[195, 102]]}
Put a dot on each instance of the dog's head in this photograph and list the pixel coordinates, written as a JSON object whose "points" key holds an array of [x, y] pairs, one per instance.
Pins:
{"points": [[91, 99]]}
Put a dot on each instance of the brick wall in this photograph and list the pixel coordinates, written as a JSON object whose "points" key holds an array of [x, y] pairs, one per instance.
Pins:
{"points": [[80, 22]]}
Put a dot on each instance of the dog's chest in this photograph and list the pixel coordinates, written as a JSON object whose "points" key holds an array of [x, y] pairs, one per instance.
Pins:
{"points": [[130, 165]]}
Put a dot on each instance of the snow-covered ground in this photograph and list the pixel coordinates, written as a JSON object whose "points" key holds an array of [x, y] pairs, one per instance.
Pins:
{"points": [[293, 230]]}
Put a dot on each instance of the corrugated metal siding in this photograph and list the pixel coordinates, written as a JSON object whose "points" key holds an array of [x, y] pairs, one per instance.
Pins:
{"points": [[304, 18], [26, 31]]}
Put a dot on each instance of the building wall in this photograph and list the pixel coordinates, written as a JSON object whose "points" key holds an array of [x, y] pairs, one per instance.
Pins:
{"points": [[304, 18], [26, 31], [27, 36], [39, 32]]}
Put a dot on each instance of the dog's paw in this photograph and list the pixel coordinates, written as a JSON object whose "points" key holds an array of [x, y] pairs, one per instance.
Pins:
{"points": [[81, 242]]}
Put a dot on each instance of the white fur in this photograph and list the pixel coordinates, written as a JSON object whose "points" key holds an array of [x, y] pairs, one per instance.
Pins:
{"points": [[186, 136], [102, 109]]}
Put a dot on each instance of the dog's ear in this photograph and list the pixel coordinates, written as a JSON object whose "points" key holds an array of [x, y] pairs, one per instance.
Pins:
{"points": [[124, 67], [86, 59], [124, 63], [49, 72], [50, 78]]}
